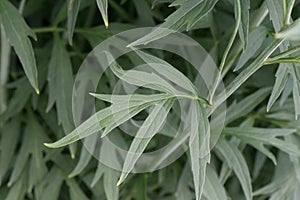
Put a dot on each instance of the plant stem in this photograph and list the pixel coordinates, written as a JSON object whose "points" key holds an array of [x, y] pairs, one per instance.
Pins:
{"points": [[236, 28], [282, 60], [285, 53]]}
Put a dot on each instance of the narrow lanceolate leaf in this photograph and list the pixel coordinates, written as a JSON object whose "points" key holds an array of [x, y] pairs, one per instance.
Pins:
{"points": [[168, 71], [143, 79], [292, 32], [296, 89], [149, 128], [236, 161], [85, 155], [17, 32], [73, 8], [276, 11], [106, 117], [102, 5], [246, 105], [109, 183], [280, 82], [244, 26], [256, 39], [60, 78], [258, 137], [213, 189], [199, 146], [189, 13]]}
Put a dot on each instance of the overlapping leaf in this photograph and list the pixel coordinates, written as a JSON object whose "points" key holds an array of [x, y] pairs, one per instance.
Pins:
{"points": [[17, 32]]}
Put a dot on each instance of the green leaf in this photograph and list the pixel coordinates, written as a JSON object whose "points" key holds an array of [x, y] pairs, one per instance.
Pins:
{"points": [[106, 117], [256, 38], [109, 183], [253, 67], [246, 105], [244, 26], [89, 145], [235, 160], [280, 82], [149, 128], [143, 79], [213, 189], [199, 146], [258, 137], [167, 71], [17, 32], [8, 143], [102, 5], [296, 89], [60, 79], [189, 13], [76, 193], [276, 11], [73, 9]]}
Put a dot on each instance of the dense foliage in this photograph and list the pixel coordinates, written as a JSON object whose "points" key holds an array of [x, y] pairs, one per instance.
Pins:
{"points": [[254, 43]]}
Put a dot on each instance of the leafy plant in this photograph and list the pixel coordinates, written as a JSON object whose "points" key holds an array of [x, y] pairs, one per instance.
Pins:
{"points": [[255, 45]]}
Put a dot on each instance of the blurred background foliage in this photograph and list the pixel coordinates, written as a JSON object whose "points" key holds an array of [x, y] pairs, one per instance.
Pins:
{"points": [[43, 44]]}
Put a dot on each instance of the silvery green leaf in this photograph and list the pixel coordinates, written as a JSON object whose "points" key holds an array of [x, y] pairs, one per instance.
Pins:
{"points": [[235, 160], [167, 71], [149, 128], [213, 189], [258, 137], [17, 32], [251, 69], [244, 26], [105, 117], [256, 38], [296, 90], [199, 149], [143, 79], [189, 13], [280, 82], [276, 13], [246, 105]]}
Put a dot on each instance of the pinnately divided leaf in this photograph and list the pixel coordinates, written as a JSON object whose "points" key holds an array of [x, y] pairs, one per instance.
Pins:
{"points": [[17, 32], [258, 137]]}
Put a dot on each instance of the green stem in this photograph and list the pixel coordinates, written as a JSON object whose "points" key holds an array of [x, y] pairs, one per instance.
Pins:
{"points": [[236, 28], [285, 53], [282, 60]]}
